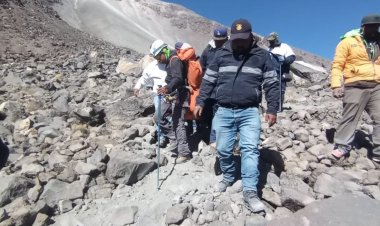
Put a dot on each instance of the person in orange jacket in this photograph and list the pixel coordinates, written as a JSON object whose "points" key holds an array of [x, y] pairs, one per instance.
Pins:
{"points": [[355, 77]]}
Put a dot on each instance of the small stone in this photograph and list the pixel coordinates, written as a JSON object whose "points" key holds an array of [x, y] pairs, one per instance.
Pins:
{"points": [[65, 206], [85, 168], [95, 74], [176, 214]]}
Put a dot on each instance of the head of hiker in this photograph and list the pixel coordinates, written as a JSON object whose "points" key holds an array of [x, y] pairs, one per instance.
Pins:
{"points": [[273, 39], [220, 36], [371, 27], [241, 37], [159, 50]]}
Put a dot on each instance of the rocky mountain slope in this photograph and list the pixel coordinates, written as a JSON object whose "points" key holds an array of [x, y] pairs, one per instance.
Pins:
{"points": [[81, 151], [136, 24]]}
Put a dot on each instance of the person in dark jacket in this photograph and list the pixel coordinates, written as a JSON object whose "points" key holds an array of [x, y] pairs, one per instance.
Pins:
{"points": [[238, 73], [220, 37], [175, 81]]}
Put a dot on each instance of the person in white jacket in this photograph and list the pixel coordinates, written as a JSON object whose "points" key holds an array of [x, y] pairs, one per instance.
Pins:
{"points": [[152, 78], [285, 56]]}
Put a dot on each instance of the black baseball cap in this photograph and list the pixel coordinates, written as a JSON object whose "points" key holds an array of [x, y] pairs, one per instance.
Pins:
{"points": [[241, 29], [371, 19]]}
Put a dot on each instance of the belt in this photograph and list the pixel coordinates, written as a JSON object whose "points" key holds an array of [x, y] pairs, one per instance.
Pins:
{"points": [[233, 106]]}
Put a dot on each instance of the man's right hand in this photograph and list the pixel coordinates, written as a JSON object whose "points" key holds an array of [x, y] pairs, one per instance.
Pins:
{"points": [[338, 92], [198, 111], [136, 92]]}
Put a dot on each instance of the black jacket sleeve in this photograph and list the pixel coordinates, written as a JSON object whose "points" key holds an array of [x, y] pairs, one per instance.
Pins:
{"points": [[290, 59], [209, 81], [203, 59], [177, 73], [271, 84]]}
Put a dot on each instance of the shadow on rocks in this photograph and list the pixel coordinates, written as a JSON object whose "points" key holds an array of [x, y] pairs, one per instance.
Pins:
{"points": [[363, 140], [330, 134], [4, 153], [269, 158]]}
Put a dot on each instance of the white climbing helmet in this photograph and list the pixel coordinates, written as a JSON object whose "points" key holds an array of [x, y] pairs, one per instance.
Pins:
{"points": [[157, 47]]}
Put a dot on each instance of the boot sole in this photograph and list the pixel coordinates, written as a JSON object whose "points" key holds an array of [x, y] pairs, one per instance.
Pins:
{"points": [[251, 209]]}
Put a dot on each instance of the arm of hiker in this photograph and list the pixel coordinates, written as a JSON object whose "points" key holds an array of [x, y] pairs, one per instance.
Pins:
{"points": [[177, 73], [271, 119], [339, 62], [203, 59], [198, 111], [208, 82], [271, 87], [290, 59], [141, 81]]}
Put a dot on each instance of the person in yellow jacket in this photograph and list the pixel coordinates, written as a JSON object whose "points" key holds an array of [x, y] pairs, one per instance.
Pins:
{"points": [[355, 77]]}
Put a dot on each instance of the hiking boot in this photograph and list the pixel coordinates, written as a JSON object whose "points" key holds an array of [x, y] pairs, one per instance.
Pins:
{"points": [[182, 159], [223, 185], [252, 201], [340, 151]]}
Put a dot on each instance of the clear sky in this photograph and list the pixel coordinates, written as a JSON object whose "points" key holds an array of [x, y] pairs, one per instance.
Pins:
{"points": [[311, 25]]}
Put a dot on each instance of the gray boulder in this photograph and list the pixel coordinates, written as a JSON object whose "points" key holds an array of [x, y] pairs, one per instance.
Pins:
{"points": [[117, 113], [12, 187], [56, 190], [284, 143], [127, 168], [61, 99], [176, 214], [348, 210]]}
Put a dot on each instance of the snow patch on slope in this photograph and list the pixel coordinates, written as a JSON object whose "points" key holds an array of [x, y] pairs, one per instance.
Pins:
{"points": [[311, 66]]}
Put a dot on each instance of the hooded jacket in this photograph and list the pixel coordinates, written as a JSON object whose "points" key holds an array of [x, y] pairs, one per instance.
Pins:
{"points": [[352, 63], [245, 88], [176, 73]]}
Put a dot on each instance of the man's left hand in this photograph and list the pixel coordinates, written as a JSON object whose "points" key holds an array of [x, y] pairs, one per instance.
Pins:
{"points": [[271, 119], [162, 91]]}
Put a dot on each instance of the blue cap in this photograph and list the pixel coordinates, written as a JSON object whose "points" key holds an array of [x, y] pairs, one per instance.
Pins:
{"points": [[220, 33], [178, 45]]}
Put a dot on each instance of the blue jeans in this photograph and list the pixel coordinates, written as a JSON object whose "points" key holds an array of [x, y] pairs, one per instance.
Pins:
{"points": [[227, 123]]}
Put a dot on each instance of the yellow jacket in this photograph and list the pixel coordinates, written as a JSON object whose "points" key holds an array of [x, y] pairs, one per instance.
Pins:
{"points": [[351, 63]]}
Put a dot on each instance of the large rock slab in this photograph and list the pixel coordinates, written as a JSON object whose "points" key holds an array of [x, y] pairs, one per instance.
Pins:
{"points": [[128, 168], [56, 190], [118, 113], [12, 187], [348, 210]]}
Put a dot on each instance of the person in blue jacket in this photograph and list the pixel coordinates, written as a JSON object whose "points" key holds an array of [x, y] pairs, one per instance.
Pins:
{"points": [[240, 69]]}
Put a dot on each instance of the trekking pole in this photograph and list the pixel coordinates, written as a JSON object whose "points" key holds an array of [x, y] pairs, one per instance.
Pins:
{"points": [[158, 139], [280, 104]]}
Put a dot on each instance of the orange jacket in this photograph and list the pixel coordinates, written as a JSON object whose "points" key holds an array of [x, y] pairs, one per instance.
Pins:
{"points": [[351, 63]]}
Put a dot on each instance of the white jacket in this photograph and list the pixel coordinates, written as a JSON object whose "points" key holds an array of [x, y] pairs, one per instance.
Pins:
{"points": [[153, 76], [283, 50]]}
